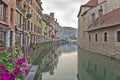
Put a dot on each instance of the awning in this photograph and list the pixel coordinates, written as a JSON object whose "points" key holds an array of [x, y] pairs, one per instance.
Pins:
{"points": [[4, 27]]}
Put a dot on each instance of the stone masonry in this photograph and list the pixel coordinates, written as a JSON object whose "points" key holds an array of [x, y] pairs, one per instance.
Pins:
{"points": [[87, 34]]}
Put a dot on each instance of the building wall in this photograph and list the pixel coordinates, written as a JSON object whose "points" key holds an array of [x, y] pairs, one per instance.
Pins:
{"points": [[9, 40], [111, 47], [35, 21]]}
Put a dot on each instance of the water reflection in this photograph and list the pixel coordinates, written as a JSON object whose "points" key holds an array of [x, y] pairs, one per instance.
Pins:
{"points": [[54, 64], [68, 48], [92, 66]]}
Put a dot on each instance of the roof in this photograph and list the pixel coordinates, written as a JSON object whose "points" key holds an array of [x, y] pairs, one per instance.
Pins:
{"points": [[109, 19], [39, 3], [46, 18], [90, 3]]}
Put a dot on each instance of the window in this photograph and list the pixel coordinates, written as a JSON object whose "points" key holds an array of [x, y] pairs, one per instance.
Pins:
{"points": [[96, 37], [31, 26], [118, 36], [93, 18], [28, 25], [2, 37], [89, 37], [105, 37], [2, 11], [18, 19], [11, 16]]}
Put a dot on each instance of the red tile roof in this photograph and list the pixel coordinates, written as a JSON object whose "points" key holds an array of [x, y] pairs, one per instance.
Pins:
{"points": [[91, 3], [110, 19]]}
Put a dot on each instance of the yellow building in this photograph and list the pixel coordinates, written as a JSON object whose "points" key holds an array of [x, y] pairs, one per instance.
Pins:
{"points": [[34, 22]]}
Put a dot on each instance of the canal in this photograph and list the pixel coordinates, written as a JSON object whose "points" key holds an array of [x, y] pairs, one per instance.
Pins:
{"points": [[57, 63], [92, 66], [67, 62]]}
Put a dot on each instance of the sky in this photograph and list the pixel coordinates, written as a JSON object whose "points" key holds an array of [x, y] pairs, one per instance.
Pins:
{"points": [[65, 11]]}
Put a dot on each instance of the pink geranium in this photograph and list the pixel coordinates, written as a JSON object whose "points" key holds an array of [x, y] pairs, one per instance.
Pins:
{"points": [[2, 68], [17, 71], [26, 71], [9, 50], [20, 61], [1, 50], [10, 60], [5, 76]]}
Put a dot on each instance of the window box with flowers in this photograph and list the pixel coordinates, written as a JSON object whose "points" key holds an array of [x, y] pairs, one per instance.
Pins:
{"points": [[12, 65]]}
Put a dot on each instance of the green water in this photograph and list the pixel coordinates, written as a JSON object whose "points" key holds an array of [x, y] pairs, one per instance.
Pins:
{"points": [[92, 66], [57, 63]]}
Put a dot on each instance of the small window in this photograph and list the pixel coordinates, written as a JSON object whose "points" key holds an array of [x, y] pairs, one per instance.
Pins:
{"points": [[118, 36], [104, 72], [105, 37], [89, 37], [96, 37], [95, 67], [93, 18], [11, 16]]}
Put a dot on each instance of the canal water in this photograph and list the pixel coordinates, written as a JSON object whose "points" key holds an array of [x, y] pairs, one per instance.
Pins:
{"points": [[57, 63], [92, 66], [67, 62]]}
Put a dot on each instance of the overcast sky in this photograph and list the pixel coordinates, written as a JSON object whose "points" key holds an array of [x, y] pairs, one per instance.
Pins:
{"points": [[66, 11]]}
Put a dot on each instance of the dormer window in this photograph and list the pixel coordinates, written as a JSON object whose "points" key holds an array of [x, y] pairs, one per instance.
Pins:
{"points": [[100, 13], [93, 18]]}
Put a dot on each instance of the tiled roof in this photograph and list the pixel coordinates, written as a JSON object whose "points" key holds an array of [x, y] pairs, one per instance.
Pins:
{"points": [[91, 3], [110, 19]]}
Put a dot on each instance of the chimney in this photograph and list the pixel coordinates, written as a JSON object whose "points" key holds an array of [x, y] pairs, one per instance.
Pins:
{"points": [[52, 14], [100, 14]]}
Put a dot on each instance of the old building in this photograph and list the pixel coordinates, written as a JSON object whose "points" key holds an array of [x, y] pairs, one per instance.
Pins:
{"points": [[21, 26], [47, 28], [99, 27], [52, 27], [7, 22], [35, 9]]}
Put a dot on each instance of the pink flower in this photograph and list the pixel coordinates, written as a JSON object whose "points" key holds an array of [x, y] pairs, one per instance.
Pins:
{"points": [[9, 50], [12, 77], [2, 68], [28, 61], [26, 71], [20, 61], [17, 71], [1, 50], [16, 56], [10, 60], [5, 76]]}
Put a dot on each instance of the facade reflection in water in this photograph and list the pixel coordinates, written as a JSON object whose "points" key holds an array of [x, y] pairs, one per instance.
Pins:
{"points": [[57, 63], [47, 61], [92, 66]]}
